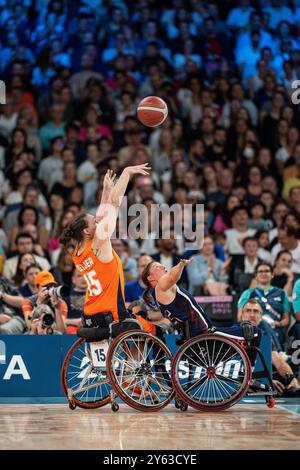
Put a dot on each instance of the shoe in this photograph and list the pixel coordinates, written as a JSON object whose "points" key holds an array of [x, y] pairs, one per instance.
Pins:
{"points": [[256, 386]]}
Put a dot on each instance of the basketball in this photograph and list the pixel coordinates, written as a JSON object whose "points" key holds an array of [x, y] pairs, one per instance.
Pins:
{"points": [[152, 111]]}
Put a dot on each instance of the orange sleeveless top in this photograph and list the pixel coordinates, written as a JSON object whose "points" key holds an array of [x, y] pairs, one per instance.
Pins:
{"points": [[105, 281]]}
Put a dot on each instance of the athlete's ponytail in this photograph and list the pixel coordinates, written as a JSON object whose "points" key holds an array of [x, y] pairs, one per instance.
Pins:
{"points": [[146, 274], [148, 299], [74, 229]]}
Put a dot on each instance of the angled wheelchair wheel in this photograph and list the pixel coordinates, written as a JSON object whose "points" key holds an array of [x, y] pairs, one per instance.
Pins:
{"points": [[138, 365], [84, 384], [211, 372]]}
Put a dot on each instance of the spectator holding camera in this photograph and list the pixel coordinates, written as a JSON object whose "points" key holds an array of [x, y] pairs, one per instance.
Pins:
{"points": [[43, 322], [44, 281]]}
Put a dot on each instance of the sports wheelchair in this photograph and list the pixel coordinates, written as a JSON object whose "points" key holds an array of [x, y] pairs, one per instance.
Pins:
{"points": [[209, 372], [138, 361]]}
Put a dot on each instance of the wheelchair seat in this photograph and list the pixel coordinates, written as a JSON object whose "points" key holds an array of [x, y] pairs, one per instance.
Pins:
{"points": [[91, 334]]}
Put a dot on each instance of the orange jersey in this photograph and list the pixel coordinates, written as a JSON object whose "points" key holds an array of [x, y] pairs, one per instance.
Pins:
{"points": [[105, 281]]}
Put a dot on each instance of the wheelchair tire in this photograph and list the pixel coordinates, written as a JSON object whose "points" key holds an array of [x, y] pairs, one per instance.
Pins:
{"points": [[74, 367], [144, 384], [211, 372]]}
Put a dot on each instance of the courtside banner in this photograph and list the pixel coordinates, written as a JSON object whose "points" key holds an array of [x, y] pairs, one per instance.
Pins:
{"points": [[30, 365]]}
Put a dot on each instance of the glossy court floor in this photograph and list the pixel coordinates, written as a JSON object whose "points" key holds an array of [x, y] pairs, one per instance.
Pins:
{"points": [[249, 425]]}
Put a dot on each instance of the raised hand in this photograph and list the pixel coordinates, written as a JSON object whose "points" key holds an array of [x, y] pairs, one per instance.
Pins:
{"points": [[185, 262], [143, 169], [109, 180]]}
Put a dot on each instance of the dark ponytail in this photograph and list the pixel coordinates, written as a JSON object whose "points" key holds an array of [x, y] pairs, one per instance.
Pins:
{"points": [[74, 229], [146, 274], [149, 300]]}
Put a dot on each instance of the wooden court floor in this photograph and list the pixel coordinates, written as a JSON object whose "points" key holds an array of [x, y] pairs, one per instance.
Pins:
{"points": [[48, 427]]}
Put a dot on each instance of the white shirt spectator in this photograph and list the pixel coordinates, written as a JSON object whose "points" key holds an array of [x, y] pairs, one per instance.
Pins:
{"points": [[47, 167], [10, 265], [282, 155], [86, 172], [279, 14], [264, 255], [7, 125], [234, 236], [239, 17]]}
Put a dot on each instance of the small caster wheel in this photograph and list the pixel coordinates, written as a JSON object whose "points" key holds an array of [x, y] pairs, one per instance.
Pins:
{"points": [[72, 406], [115, 407], [177, 404], [270, 402], [183, 407]]}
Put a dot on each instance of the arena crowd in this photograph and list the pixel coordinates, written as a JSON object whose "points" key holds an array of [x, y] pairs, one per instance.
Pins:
{"points": [[75, 73]]}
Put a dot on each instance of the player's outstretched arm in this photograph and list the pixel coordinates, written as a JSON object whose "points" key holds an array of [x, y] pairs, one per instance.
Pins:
{"points": [[108, 184], [173, 276], [119, 189], [107, 213]]}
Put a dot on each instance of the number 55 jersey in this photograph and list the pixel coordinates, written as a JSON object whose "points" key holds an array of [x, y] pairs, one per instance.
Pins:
{"points": [[105, 283]]}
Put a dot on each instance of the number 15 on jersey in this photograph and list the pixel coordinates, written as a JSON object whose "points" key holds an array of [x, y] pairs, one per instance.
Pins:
{"points": [[93, 283]]}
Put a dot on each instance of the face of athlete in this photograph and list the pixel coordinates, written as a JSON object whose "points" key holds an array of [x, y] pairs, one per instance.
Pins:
{"points": [[157, 270], [252, 313], [91, 228]]}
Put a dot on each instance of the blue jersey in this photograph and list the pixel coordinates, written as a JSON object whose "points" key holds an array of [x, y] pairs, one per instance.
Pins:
{"points": [[185, 308]]}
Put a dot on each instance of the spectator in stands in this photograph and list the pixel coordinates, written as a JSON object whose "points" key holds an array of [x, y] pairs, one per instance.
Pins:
{"points": [[239, 230], [24, 244], [11, 318], [273, 300], [288, 240], [55, 127], [24, 261], [263, 252], [207, 274], [284, 381], [28, 287], [223, 219], [28, 215], [243, 268], [283, 275], [63, 270], [52, 163], [43, 281], [134, 289]]}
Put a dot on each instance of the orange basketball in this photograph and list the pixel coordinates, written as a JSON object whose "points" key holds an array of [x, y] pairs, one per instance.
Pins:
{"points": [[152, 111]]}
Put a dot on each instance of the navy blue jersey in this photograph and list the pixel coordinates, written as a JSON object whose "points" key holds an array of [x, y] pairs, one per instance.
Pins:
{"points": [[184, 307]]}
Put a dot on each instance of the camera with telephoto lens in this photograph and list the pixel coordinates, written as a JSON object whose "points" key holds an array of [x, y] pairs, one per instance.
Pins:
{"points": [[60, 291], [47, 320]]}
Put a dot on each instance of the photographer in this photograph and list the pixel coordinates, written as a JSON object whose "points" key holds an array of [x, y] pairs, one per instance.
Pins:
{"points": [[42, 321], [44, 282]]}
